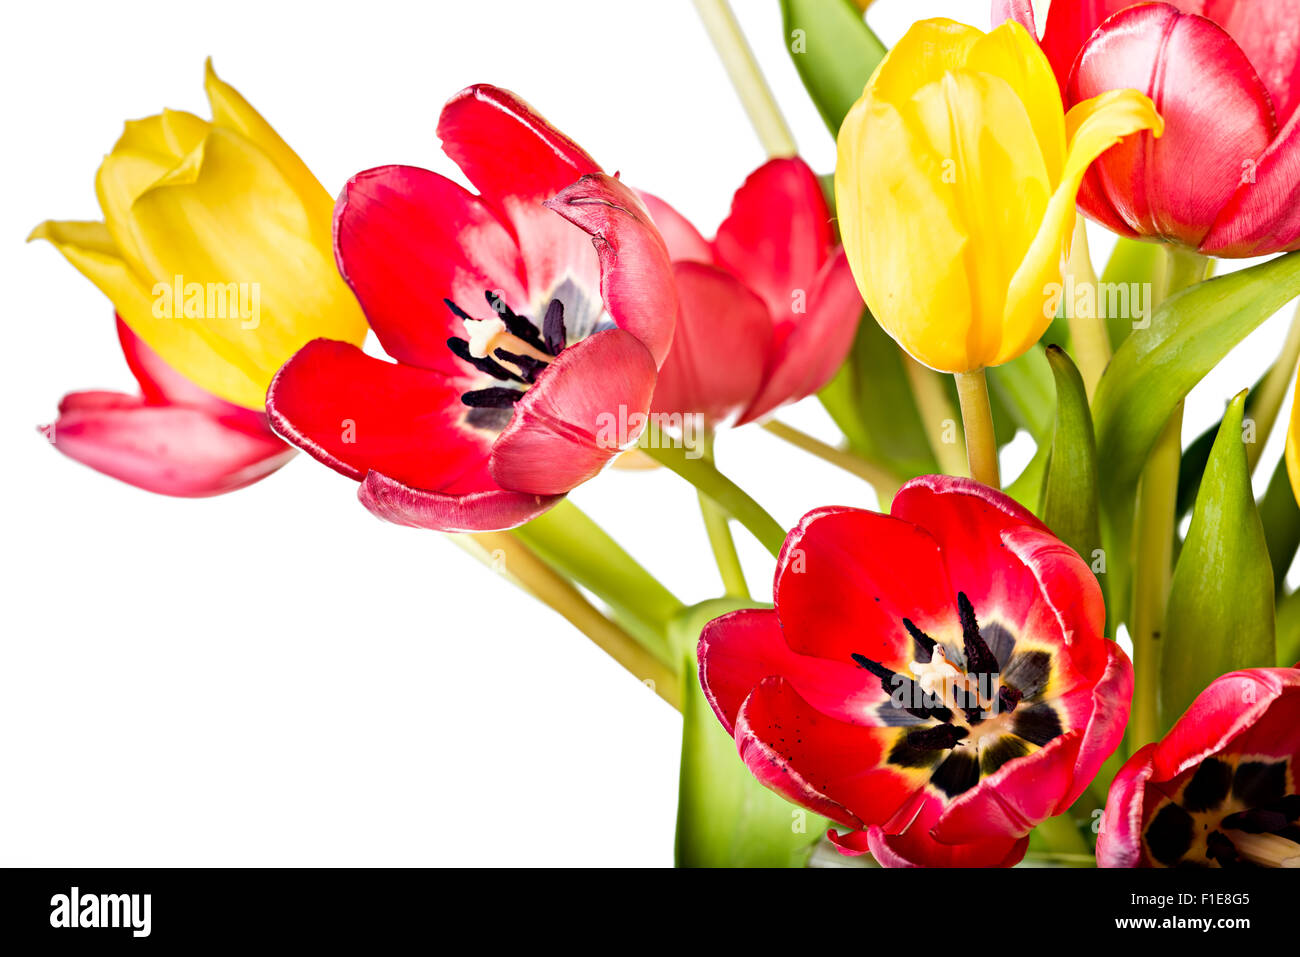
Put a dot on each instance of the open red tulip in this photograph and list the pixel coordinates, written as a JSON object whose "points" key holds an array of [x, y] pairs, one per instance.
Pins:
{"points": [[525, 358], [1225, 75], [173, 438], [768, 307], [1222, 789], [935, 680]]}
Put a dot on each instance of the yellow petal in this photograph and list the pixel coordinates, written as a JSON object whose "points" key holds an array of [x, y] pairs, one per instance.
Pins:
{"points": [[901, 230], [927, 50], [226, 215], [232, 111], [1293, 444], [1093, 126], [89, 247], [1011, 53], [999, 183]]}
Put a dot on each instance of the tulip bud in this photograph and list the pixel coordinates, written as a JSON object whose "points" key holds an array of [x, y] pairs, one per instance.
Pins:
{"points": [[216, 246], [956, 184]]}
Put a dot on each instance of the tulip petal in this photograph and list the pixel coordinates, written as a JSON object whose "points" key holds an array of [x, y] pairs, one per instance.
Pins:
{"points": [[1174, 187], [847, 578], [739, 650], [683, 240], [636, 280], [406, 239], [168, 449], [778, 235], [1262, 217], [1119, 842], [929, 49], [720, 348], [1269, 33], [811, 350], [1112, 699], [516, 160], [1068, 27], [358, 414], [479, 511], [916, 847], [586, 407], [1094, 126]]}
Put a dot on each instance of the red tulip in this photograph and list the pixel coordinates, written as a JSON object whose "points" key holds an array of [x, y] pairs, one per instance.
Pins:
{"points": [[768, 308], [935, 679], [1225, 75], [1222, 788], [524, 359], [174, 438]]}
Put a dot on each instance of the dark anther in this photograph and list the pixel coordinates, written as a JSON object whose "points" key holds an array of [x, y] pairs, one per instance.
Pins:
{"points": [[1008, 698], [493, 398], [979, 660], [940, 737], [1219, 847], [1257, 820], [917, 702], [456, 310], [460, 348], [553, 330], [517, 324], [528, 366], [924, 643]]}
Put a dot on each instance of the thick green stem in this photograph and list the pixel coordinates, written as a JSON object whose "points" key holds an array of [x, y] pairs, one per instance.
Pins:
{"points": [[977, 420], [746, 77], [1154, 524], [506, 554], [1088, 332], [696, 469], [1273, 391], [567, 539], [938, 417], [878, 477]]}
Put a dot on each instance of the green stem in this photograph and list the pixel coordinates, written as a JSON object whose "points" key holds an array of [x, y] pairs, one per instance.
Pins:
{"points": [[937, 415], [567, 539], [977, 419], [504, 552], [1273, 391], [1061, 835], [717, 525], [738, 60], [1154, 524], [697, 470], [878, 477], [1088, 333]]}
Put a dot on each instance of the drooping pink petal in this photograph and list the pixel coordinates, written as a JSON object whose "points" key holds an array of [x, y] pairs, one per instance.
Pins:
{"points": [[359, 414], [1269, 33], [636, 278], [684, 242], [516, 160], [720, 348], [811, 347], [1112, 699], [847, 578], [478, 511], [168, 449], [1119, 842], [1218, 118], [1263, 217], [831, 767], [406, 239], [916, 847], [778, 234], [737, 651], [588, 406]]}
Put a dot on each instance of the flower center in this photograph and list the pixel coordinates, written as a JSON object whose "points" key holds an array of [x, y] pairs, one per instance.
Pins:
{"points": [[509, 347]]}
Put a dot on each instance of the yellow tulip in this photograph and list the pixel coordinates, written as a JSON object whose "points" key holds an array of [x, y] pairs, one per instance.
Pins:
{"points": [[215, 246], [956, 182], [1293, 444]]}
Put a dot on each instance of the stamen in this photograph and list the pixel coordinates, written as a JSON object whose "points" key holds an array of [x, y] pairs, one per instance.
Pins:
{"points": [[923, 704], [528, 367], [460, 349], [517, 324], [1258, 820], [1008, 698], [940, 737], [924, 642], [1266, 849], [979, 659], [493, 398], [553, 330]]}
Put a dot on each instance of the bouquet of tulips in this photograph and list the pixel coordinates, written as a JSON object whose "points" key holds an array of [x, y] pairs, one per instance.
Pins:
{"points": [[1092, 659]]}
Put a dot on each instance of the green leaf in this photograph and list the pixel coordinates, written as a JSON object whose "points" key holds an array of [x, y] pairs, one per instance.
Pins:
{"points": [[1220, 615], [1198, 453], [725, 818], [1025, 386], [1281, 517], [1288, 630], [871, 401], [1154, 370], [1136, 265], [1070, 506], [834, 51]]}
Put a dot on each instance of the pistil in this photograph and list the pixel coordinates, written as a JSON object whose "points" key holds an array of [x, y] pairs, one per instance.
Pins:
{"points": [[1269, 850]]}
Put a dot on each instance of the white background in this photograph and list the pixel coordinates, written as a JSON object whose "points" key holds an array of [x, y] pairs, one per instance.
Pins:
{"points": [[273, 676]]}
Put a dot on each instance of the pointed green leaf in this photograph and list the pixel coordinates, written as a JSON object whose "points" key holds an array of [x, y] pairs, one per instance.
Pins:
{"points": [[1070, 506], [1281, 518], [834, 51], [1288, 631], [725, 818], [1220, 615]]}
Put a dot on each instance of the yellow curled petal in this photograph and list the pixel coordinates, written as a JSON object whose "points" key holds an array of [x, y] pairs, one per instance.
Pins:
{"points": [[232, 111], [89, 247], [227, 219], [902, 234], [1093, 127], [928, 50], [1293, 444]]}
